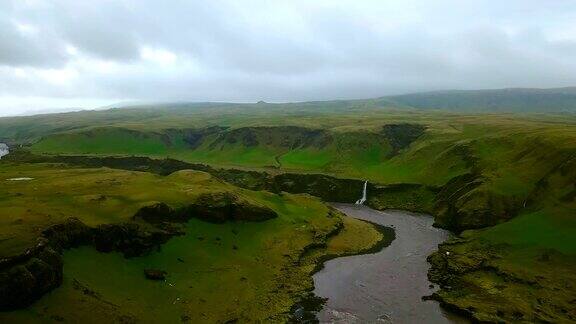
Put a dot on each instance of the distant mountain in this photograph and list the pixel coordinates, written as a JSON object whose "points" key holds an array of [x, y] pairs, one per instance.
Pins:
{"points": [[496, 100], [46, 111]]}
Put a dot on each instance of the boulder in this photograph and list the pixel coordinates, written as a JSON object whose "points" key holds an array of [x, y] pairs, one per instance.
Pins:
{"points": [[129, 238], [70, 233], [155, 274]]}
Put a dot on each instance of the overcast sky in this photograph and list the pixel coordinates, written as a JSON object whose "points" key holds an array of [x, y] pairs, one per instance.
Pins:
{"points": [[76, 53]]}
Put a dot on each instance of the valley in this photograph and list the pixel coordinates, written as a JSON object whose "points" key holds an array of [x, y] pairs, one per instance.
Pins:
{"points": [[502, 183]]}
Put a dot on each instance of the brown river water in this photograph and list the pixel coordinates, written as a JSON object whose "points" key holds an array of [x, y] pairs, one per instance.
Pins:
{"points": [[387, 286]]}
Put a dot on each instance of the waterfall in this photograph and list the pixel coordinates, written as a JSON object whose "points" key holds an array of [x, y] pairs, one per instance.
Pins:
{"points": [[3, 150], [363, 199]]}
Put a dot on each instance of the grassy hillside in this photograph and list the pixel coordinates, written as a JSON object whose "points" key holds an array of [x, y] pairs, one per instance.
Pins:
{"points": [[260, 264], [307, 114], [506, 178], [499, 159], [559, 101]]}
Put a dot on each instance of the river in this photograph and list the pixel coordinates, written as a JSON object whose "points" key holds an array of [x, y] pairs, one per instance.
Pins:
{"points": [[385, 287]]}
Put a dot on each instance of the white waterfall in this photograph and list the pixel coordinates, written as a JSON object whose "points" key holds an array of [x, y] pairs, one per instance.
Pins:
{"points": [[3, 150], [362, 200]]}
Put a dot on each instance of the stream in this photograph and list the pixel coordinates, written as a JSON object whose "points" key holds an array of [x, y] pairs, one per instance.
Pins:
{"points": [[385, 287]]}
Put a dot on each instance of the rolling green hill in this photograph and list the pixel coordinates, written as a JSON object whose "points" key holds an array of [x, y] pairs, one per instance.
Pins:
{"points": [[504, 182], [309, 114]]}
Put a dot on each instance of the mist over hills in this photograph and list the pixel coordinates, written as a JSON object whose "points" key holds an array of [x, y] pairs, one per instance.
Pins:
{"points": [[493, 100], [517, 100], [187, 114]]}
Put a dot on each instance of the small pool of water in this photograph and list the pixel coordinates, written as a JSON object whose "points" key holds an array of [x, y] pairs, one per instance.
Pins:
{"points": [[385, 287]]}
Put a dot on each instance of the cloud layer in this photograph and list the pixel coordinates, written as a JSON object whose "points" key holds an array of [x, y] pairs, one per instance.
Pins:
{"points": [[56, 53]]}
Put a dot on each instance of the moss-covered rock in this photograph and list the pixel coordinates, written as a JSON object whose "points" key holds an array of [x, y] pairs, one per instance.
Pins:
{"points": [[478, 280], [225, 206], [26, 281]]}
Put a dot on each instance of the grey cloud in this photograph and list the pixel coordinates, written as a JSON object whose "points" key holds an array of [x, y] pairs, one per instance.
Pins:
{"points": [[18, 48], [283, 50]]}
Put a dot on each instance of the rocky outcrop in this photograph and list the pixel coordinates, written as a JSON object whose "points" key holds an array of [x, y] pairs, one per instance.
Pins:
{"points": [[27, 279], [466, 203], [129, 238], [326, 187], [215, 207], [222, 207], [158, 213], [71, 233]]}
